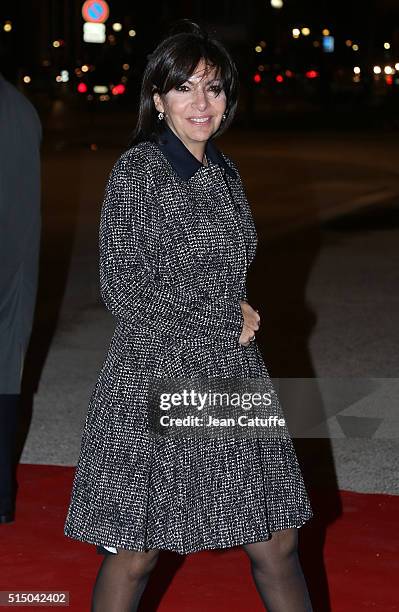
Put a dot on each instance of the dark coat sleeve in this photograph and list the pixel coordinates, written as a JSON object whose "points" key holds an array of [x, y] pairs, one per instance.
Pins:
{"points": [[130, 287], [20, 224]]}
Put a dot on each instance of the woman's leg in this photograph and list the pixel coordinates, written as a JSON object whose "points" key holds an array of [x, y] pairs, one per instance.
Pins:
{"points": [[121, 580], [277, 572]]}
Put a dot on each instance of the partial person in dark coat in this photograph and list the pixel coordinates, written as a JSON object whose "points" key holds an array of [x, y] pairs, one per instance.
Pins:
{"points": [[20, 222]]}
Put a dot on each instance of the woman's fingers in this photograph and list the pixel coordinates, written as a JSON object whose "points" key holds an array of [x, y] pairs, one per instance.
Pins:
{"points": [[247, 335], [251, 323]]}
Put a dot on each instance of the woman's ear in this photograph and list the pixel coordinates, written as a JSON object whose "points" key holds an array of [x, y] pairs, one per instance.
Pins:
{"points": [[158, 103]]}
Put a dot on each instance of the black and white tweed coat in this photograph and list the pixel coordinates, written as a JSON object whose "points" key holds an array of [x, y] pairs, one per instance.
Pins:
{"points": [[176, 241]]}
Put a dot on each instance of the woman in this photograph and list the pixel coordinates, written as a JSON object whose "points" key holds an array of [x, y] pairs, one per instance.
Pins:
{"points": [[176, 240]]}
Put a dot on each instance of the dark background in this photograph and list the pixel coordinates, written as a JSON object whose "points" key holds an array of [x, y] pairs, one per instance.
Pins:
{"points": [[282, 68]]}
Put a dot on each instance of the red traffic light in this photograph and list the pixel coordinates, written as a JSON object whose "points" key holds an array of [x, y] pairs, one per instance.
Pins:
{"points": [[82, 88], [312, 74], [257, 78]]}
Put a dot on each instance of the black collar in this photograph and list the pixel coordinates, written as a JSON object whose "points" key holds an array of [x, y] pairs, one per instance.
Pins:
{"points": [[181, 158]]}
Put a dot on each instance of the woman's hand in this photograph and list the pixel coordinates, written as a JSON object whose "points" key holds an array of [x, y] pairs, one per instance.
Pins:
{"points": [[251, 323]]}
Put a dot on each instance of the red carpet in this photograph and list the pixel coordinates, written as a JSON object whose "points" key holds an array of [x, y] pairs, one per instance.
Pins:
{"points": [[350, 554]]}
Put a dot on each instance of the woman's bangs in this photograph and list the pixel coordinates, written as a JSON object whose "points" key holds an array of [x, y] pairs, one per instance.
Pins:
{"points": [[184, 67]]}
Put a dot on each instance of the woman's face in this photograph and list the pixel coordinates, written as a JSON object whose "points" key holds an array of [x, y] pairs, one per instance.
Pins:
{"points": [[201, 97]]}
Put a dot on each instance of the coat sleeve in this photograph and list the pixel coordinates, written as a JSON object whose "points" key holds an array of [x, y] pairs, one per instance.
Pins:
{"points": [[130, 286]]}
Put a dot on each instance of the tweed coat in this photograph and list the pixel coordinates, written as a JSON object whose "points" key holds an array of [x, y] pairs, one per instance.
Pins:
{"points": [[176, 240]]}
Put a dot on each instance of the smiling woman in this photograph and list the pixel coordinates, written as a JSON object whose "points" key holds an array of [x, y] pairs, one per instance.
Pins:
{"points": [[176, 240], [190, 85], [195, 109]]}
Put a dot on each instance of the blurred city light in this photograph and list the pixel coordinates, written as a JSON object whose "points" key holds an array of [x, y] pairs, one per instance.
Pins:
{"points": [[27, 79], [326, 32], [56, 44], [377, 70], [94, 32], [389, 79], [279, 78], [387, 45], [348, 43], [277, 4], [305, 31], [126, 66], [257, 78], [82, 88], [296, 32], [117, 27], [356, 70], [397, 66], [388, 70], [311, 74], [328, 44], [100, 89], [258, 49], [64, 76], [355, 47], [118, 89], [85, 68], [262, 43], [7, 27], [132, 33]]}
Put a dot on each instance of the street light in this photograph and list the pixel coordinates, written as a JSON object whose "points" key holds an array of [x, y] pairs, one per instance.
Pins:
{"points": [[296, 33], [277, 4]]}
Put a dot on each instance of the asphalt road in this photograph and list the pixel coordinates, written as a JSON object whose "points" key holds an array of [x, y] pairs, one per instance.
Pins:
{"points": [[325, 280]]}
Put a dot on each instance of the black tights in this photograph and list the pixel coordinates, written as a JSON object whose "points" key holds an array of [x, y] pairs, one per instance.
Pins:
{"points": [[275, 568], [277, 572], [121, 580]]}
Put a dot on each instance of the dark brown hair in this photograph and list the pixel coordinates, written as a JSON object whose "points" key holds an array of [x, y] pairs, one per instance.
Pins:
{"points": [[171, 64]]}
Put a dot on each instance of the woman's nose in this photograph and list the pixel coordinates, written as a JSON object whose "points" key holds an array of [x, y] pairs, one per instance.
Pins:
{"points": [[200, 99]]}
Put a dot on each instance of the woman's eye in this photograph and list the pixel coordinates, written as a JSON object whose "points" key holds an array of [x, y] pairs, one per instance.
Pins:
{"points": [[216, 89], [181, 87]]}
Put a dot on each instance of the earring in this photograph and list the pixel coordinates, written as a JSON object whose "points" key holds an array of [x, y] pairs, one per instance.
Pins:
{"points": [[224, 117], [160, 116]]}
